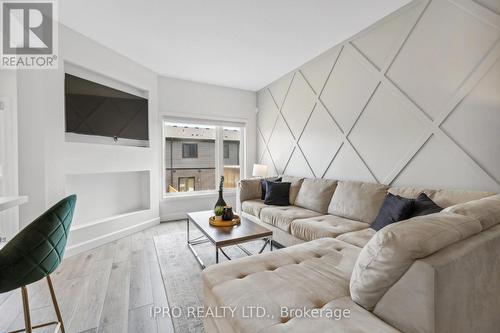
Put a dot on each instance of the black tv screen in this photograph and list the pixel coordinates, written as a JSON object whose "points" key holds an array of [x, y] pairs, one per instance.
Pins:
{"points": [[98, 110]]}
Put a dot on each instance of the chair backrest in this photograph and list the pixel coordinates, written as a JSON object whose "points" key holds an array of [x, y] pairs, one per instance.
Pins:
{"points": [[37, 250]]}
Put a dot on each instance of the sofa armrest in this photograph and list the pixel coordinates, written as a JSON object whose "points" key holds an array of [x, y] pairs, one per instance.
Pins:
{"points": [[249, 189], [456, 289]]}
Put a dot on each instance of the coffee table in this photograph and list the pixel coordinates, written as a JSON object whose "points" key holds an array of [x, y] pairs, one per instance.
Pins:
{"points": [[221, 237]]}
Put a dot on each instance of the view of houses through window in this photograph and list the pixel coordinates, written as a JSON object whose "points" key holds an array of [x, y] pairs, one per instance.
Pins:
{"points": [[192, 160]]}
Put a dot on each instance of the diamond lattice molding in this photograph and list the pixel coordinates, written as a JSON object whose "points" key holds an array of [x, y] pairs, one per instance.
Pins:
{"points": [[281, 145], [298, 105], [320, 140], [267, 115], [389, 100]]}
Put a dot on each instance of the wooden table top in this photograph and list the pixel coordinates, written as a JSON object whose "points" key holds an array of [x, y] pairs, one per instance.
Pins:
{"points": [[222, 236]]}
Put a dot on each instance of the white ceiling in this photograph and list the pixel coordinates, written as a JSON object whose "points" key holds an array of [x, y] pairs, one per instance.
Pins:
{"points": [[234, 43]]}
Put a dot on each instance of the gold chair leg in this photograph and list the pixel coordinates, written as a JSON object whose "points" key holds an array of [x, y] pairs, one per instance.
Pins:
{"points": [[56, 306], [26, 310]]}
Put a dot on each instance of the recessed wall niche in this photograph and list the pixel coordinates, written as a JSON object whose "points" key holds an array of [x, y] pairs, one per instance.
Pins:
{"points": [[103, 196]]}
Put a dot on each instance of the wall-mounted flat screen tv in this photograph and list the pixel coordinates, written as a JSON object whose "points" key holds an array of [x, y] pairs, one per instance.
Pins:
{"points": [[93, 109]]}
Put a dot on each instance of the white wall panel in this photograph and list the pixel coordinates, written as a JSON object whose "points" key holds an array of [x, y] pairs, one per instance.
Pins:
{"points": [[297, 166], [385, 133], [261, 145], [348, 89], [476, 121], [442, 52], [268, 113], [317, 70], [381, 41], [440, 165], [266, 159], [493, 5], [348, 166], [281, 145], [414, 100], [298, 106], [279, 89], [320, 140]]}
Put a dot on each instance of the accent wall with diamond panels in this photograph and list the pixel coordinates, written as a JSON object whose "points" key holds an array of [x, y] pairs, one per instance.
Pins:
{"points": [[412, 100]]}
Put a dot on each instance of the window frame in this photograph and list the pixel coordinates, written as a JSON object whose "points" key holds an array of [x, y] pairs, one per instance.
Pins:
{"points": [[189, 144], [186, 178], [219, 152], [225, 145]]}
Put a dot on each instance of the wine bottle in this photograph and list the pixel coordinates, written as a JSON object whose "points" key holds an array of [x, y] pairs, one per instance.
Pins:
{"points": [[220, 201]]}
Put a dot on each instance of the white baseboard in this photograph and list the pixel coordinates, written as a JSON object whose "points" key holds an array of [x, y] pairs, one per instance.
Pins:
{"points": [[173, 217], [101, 240]]}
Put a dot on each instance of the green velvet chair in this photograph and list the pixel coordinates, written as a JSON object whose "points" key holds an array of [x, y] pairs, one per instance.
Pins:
{"points": [[36, 252]]}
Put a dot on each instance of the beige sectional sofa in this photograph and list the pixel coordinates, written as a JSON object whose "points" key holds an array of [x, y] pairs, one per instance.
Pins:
{"points": [[434, 273]]}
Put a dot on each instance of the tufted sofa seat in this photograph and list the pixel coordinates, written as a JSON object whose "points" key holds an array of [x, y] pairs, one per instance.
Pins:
{"points": [[318, 273], [436, 273], [324, 226], [282, 217], [329, 208]]}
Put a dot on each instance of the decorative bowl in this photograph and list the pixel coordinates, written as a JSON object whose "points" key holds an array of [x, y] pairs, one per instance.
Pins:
{"points": [[235, 221]]}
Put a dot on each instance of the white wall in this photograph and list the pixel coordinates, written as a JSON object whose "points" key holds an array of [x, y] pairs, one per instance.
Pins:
{"points": [[185, 99], [411, 101], [46, 159], [9, 220]]}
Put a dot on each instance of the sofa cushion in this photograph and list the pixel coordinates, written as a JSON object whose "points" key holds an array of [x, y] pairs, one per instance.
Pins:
{"points": [[486, 210], [324, 226], [357, 200], [281, 217], [296, 183], [410, 192], [277, 193], [394, 209], [447, 198], [425, 206], [310, 275], [358, 238], [253, 207], [263, 185], [249, 189], [316, 194], [393, 249]]}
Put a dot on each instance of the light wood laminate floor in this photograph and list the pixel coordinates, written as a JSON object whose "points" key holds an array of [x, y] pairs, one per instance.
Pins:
{"points": [[108, 289]]}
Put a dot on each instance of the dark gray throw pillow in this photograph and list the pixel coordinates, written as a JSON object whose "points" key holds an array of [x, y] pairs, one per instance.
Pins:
{"points": [[263, 186], [277, 193], [394, 209], [424, 206]]}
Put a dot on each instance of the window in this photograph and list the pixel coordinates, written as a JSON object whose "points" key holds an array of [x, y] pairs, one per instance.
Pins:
{"points": [[186, 184], [189, 150], [197, 155], [232, 171]]}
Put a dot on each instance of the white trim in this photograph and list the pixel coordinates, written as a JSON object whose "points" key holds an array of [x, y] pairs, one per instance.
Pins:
{"points": [[107, 219], [101, 240], [9, 202], [173, 217], [198, 194], [104, 140], [203, 119], [479, 11]]}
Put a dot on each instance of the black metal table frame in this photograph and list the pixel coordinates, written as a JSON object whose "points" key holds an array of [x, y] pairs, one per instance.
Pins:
{"points": [[204, 239]]}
